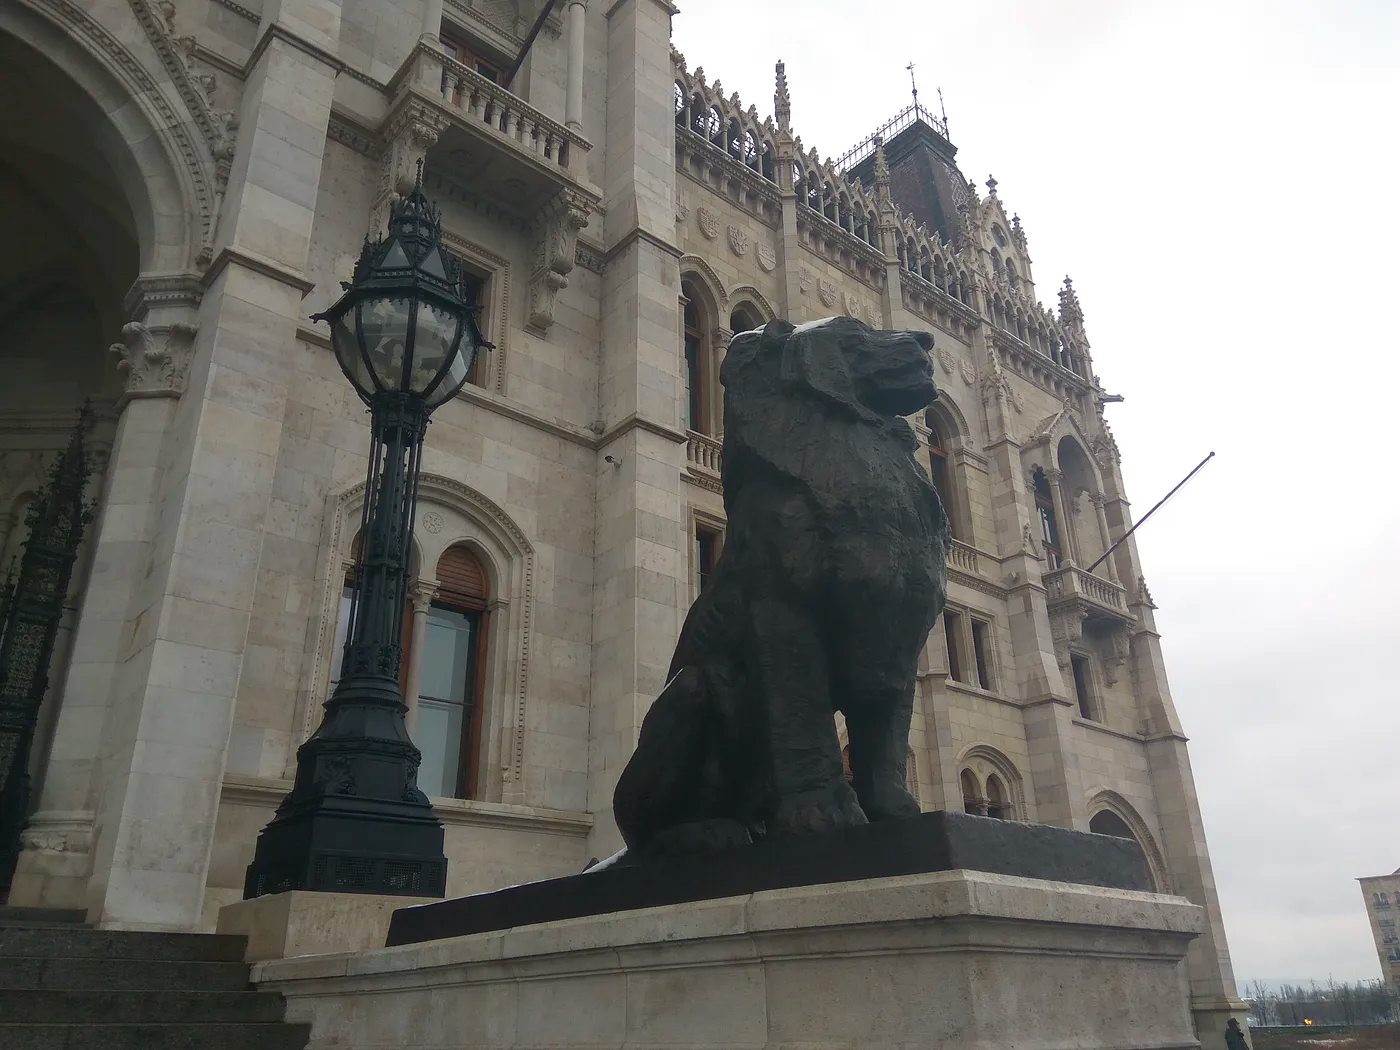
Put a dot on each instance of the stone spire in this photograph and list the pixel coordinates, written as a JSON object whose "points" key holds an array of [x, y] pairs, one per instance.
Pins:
{"points": [[1070, 313], [882, 172], [782, 103]]}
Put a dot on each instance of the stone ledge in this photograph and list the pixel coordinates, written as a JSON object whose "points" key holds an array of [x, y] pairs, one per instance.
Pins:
{"points": [[268, 791]]}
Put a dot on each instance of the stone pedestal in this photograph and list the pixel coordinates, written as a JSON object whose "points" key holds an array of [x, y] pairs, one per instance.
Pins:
{"points": [[303, 922], [953, 959]]}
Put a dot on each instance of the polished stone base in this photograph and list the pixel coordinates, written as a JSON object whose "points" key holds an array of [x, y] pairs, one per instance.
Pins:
{"points": [[939, 841], [958, 960]]}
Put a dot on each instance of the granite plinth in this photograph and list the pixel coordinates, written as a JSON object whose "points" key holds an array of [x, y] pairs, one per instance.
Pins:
{"points": [[958, 960], [930, 842]]}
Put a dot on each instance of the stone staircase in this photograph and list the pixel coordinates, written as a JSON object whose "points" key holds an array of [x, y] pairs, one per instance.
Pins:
{"points": [[64, 986]]}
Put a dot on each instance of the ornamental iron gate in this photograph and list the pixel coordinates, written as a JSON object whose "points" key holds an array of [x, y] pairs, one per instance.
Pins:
{"points": [[32, 608]]}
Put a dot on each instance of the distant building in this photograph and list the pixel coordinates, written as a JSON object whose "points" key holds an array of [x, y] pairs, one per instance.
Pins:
{"points": [[1382, 894]]}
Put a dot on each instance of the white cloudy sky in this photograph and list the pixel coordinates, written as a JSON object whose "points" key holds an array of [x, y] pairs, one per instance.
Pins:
{"points": [[1219, 177]]}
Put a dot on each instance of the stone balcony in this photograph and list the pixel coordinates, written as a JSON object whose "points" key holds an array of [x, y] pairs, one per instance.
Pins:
{"points": [[704, 456], [1098, 599], [488, 138]]}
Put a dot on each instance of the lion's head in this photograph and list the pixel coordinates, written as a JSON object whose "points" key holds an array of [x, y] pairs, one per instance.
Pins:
{"points": [[841, 361]]}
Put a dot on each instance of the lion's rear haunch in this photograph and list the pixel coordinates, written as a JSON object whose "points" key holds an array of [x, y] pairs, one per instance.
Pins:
{"points": [[831, 575]]}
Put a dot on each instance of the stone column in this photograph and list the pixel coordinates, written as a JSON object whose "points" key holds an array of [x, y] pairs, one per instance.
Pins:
{"points": [[1057, 498], [193, 648], [640, 581], [573, 97], [421, 595], [153, 354], [432, 21], [1097, 499], [719, 344]]}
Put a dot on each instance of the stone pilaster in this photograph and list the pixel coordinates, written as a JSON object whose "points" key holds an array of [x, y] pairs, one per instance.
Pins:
{"points": [[165, 735], [153, 354], [789, 239], [640, 581]]}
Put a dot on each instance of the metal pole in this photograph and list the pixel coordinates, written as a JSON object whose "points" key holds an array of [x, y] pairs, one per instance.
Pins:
{"points": [[529, 43], [1151, 512]]}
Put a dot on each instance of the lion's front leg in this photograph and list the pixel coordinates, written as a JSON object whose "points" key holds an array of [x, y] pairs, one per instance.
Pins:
{"points": [[878, 729], [811, 791]]}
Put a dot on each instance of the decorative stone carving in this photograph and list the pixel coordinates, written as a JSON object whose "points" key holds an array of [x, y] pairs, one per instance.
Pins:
{"points": [[556, 238], [804, 279], [767, 257], [708, 222], [742, 736], [411, 133], [738, 240], [969, 374], [1115, 653], [154, 359], [826, 291], [432, 522], [682, 207], [946, 360]]}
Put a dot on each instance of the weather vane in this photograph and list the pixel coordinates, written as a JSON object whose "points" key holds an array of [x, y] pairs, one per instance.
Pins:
{"points": [[913, 83]]}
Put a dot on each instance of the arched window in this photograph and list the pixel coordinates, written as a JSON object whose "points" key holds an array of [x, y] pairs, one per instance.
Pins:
{"points": [[697, 394], [682, 107], [1049, 527], [996, 798], [766, 163], [715, 131], [743, 318], [972, 798], [1107, 822], [452, 664], [939, 468]]}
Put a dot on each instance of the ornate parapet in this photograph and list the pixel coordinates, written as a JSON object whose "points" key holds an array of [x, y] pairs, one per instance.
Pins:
{"points": [[556, 240]]}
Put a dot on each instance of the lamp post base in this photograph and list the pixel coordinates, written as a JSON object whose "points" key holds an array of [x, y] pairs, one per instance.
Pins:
{"points": [[355, 821]]}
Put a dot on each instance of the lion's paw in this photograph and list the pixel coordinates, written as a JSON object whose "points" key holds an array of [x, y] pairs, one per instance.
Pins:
{"points": [[888, 800], [824, 809], [700, 836]]}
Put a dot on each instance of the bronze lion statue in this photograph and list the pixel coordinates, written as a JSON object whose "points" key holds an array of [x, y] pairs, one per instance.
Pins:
{"points": [[831, 576]]}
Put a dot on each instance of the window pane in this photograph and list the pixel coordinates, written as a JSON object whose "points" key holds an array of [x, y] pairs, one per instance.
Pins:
{"points": [[438, 733], [446, 653], [341, 623]]}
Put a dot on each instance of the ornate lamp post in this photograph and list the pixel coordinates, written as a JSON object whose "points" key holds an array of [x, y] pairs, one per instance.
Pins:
{"points": [[405, 334]]}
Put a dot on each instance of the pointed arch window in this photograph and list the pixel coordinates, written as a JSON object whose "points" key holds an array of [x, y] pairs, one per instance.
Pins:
{"points": [[940, 469], [1049, 527], [452, 665], [697, 362]]}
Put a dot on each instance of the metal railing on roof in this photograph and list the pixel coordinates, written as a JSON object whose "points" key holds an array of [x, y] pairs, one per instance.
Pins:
{"points": [[905, 118]]}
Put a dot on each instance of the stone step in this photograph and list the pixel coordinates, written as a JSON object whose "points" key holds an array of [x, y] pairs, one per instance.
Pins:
{"points": [[79, 942], [155, 1036], [31, 1006], [121, 974], [10, 916]]}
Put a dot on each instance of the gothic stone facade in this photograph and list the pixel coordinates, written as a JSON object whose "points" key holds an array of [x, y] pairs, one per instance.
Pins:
{"points": [[1382, 896], [188, 180]]}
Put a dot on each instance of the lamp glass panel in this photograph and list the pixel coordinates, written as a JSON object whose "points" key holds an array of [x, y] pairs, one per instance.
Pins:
{"points": [[347, 352], [457, 371], [435, 339], [385, 326]]}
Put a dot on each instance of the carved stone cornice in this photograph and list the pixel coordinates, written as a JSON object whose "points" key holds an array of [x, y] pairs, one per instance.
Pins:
{"points": [[407, 135], [154, 359], [556, 240]]}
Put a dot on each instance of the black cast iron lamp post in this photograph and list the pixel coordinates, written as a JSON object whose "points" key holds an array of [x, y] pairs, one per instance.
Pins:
{"points": [[405, 334]]}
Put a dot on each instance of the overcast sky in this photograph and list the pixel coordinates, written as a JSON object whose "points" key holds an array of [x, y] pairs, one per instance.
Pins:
{"points": [[1219, 178]]}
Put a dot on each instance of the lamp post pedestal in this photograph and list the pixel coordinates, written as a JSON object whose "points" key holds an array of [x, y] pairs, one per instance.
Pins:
{"points": [[355, 820], [405, 335]]}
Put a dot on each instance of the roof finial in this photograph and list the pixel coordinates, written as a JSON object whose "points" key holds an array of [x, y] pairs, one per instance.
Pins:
{"points": [[992, 185], [1070, 312], [913, 83], [782, 104]]}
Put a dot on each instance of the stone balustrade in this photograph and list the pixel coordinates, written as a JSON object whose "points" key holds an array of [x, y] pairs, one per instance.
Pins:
{"points": [[1072, 582], [964, 557], [704, 453], [488, 105]]}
